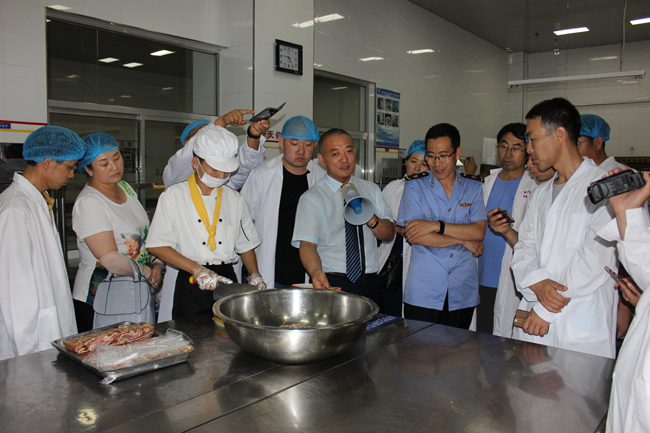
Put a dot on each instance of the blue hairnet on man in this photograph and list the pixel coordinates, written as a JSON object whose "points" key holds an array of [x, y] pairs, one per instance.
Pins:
{"points": [[300, 128], [35, 298], [594, 133], [96, 143], [272, 192]]}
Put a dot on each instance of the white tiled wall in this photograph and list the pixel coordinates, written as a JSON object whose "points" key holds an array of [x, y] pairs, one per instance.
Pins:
{"points": [[623, 102], [274, 19], [464, 82]]}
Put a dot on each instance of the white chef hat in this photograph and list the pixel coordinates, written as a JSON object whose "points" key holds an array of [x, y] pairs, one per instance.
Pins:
{"points": [[218, 147]]}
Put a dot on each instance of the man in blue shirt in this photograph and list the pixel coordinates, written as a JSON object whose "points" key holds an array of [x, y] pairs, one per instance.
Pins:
{"points": [[443, 216], [506, 188]]}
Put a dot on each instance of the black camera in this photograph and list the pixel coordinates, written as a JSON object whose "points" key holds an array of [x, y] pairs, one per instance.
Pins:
{"points": [[616, 184]]}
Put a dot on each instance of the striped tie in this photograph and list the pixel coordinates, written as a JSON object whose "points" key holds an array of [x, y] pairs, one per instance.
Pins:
{"points": [[352, 257]]}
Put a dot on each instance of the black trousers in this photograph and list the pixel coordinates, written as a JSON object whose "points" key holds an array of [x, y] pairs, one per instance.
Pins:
{"points": [[189, 299], [458, 318], [485, 310], [372, 289]]}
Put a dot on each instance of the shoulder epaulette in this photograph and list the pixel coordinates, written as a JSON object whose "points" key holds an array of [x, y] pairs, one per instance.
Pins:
{"points": [[472, 176], [417, 175]]}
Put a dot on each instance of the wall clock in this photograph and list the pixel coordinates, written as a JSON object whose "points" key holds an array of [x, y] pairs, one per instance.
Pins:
{"points": [[288, 57]]}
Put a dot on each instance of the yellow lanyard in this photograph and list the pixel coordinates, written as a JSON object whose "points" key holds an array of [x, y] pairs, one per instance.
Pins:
{"points": [[50, 202], [195, 192]]}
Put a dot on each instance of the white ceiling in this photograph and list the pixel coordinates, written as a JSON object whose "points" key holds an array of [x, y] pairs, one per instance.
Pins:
{"points": [[528, 25]]}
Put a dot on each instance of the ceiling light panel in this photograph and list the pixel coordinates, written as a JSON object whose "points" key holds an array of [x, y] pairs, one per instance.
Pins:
{"points": [[640, 21], [132, 65], [108, 60], [571, 31], [369, 59], [162, 53]]}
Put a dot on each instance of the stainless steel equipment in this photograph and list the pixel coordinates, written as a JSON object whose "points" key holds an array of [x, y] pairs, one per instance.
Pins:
{"points": [[320, 323]]}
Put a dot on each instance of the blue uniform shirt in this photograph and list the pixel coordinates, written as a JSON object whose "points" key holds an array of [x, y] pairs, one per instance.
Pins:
{"points": [[434, 272], [489, 264]]}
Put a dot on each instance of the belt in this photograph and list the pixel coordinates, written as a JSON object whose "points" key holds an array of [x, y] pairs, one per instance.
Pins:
{"points": [[342, 274]]}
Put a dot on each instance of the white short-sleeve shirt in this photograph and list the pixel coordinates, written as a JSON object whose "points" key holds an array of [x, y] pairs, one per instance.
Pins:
{"points": [[319, 220], [177, 224], [94, 213]]}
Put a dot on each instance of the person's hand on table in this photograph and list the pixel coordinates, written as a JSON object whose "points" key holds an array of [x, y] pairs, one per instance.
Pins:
{"points": [[535, 325], [547, 294]]}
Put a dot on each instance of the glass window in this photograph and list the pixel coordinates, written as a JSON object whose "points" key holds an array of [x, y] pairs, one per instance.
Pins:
{"points": [[97, 66], [339, 104]]}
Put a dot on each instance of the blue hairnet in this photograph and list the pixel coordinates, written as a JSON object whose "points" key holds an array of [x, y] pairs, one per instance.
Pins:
{"points": [[55, 142], [594, 126], [190, 127], [417, 146], [96, 143], [300, 128]]}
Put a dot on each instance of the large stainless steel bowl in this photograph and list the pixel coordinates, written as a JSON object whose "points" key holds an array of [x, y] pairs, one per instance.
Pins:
{"points": [[333, 322]]}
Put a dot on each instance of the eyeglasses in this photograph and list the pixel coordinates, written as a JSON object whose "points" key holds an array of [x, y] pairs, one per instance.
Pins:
{"points": [[73, 168], [444, 157], [506, 149]]}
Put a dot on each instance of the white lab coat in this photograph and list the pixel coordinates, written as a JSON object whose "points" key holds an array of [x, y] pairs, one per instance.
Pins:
{"points": [[630, 397], [393, 195], [507, 298], [558, 241], [262, 193], [35, 297], [179, 166]]}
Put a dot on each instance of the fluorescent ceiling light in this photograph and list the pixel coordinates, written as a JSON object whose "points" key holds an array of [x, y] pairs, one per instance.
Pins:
{"points": [[108, 60], [570, 31], [633, 74], [339, 88], [59, 7], [328, 18], [125, 96], [162, 53], [132, 65], [640, 21], [368, 59], [426, 50], [604, 58], [167, 88], [323, 19], [318, 65], [73, 76]]}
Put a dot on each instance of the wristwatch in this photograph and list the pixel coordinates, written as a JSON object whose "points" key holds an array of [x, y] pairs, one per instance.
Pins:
{"points": [[372, 227], [442, 227], [254, 137]]}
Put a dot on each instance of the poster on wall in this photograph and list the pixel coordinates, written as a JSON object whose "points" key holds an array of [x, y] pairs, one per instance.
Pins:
{"points": [[388, 118]]}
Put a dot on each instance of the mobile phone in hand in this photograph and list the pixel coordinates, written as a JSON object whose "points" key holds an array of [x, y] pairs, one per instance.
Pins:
{"points": [[266, 114], [613, 274], [505, 214]]}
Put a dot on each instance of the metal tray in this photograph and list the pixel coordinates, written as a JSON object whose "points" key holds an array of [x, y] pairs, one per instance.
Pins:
{"points": [[122, 373]]}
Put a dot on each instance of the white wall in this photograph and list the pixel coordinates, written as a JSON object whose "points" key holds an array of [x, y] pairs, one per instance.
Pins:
{"points": [[463, 83], [275, 19], [623, 103]]}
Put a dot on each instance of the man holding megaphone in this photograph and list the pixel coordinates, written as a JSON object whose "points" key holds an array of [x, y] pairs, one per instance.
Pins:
{"points": [[338, 222]]}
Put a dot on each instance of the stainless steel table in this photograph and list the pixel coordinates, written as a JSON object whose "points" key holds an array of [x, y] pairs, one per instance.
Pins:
{"points": [[408, 376]]}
